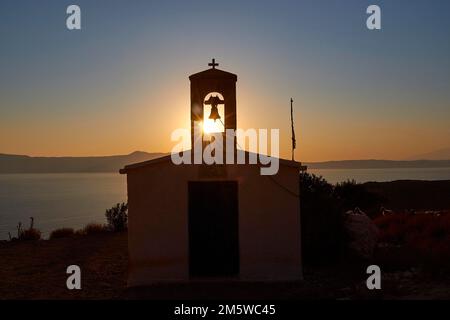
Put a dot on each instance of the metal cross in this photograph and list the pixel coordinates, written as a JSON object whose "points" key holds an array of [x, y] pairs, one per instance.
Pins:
{"points": [[213, 64]]}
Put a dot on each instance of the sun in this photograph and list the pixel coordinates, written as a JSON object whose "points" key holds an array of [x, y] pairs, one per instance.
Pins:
{"points": [[211, 126]]}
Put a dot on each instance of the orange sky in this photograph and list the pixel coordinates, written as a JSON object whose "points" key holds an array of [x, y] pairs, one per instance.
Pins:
{"points": [[121, 83], [321, 135]]}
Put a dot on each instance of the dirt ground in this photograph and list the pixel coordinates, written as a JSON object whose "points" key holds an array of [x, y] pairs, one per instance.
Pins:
{"points": [[37, 270]]}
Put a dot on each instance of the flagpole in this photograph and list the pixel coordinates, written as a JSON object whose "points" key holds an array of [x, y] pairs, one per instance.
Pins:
{"points": [[293, 132]]}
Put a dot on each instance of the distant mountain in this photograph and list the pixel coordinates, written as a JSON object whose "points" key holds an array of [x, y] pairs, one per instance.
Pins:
{"points": [[26, 164], [442, 154], [378, 164]]}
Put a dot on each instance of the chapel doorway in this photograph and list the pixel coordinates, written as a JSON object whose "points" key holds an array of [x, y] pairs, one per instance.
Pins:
{"points": [[213, 228]]}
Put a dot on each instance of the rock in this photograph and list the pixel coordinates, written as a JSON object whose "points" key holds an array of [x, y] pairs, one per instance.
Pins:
{"points": [[362, 234]]}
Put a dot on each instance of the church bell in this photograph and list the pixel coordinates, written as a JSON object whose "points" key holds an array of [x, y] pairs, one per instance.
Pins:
{"points": [[214, 113], [214, 101]]}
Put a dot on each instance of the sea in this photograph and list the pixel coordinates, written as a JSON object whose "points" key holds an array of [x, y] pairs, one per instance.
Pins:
{"points": [[76, 199]]}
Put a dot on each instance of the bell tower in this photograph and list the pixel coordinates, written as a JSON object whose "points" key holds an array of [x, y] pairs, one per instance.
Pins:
{"points": [[213, 88]]}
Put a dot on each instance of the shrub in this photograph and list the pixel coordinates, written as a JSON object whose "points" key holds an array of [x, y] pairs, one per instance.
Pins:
{"points": [[30, 234], [428, 234], [322, 206], [117, 217], [94, 228], [79, 232], [322, 228], [62, 233], [351, 195], [392, 228]]}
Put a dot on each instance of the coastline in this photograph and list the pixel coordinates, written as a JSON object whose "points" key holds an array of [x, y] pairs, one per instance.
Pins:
{"points": [[72, 200]]}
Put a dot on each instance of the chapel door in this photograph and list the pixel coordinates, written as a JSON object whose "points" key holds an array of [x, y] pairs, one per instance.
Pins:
{"points": [[213, 228]]}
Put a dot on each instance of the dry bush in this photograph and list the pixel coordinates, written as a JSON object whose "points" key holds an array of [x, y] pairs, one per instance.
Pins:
{"points": [[117, 217], [79, 232], [94, 228], [428, 233], [30, 234], [62, 233]]}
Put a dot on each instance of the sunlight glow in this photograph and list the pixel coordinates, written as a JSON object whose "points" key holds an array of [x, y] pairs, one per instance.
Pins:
{"points": [[209, 126]]}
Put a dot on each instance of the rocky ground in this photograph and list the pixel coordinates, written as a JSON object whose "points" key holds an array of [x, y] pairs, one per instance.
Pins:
{"points": [[37, 270]]}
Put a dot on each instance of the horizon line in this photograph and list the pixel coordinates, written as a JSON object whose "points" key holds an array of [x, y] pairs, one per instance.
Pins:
{"points": [[167, 153]]}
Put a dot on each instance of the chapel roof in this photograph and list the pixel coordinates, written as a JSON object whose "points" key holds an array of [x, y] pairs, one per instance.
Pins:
{"points": [[213, 73], [167, 158]]}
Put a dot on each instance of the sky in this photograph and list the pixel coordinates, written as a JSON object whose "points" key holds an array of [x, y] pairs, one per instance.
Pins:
{"points": [[121, 83]]}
